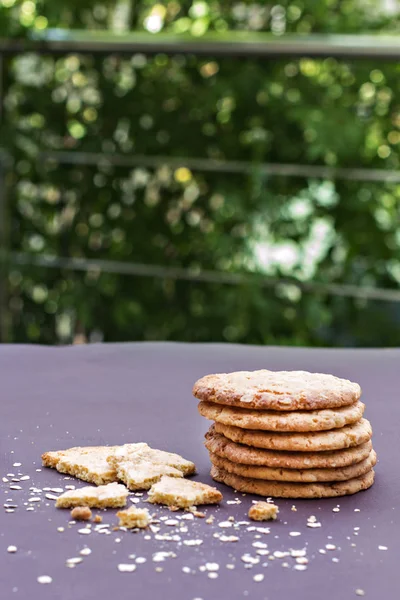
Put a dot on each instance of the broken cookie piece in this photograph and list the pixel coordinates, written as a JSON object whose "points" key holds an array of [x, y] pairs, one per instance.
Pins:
{"points": [[140, 467], [183, 493], [87, 463], [113, 495], [81, 513], [263, 511], [134, 517]]}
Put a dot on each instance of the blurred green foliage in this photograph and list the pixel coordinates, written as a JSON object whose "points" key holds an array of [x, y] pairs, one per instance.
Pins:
{"points": [[317, 112]]}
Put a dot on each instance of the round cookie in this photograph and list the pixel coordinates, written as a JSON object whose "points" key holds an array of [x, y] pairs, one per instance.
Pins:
{"points": [[313, 441], [295, 475], [280, 489], [277, 390], [220, 445], [305, 420]]}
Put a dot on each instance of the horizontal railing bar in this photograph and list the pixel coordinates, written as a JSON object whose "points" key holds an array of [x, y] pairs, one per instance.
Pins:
{"points": [[181, 273], [232, 43], [224, 166]]}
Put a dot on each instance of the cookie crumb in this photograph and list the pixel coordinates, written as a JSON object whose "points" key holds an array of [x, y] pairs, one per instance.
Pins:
{"points": [[98, 519], [263, 511], [183, 493], [81, 513], [210, 520], [360, 592], [134, 517]]}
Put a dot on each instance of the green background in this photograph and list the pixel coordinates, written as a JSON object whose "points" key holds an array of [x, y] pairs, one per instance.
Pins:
{"points": [[327, 112]]}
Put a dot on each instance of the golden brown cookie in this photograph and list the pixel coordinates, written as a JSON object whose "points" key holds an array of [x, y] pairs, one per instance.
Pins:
{"points": [[313, 441], [222, 446], [183, 493], [277, 390], [279, 489], [304, 420], [112, 495], [295, 475]]}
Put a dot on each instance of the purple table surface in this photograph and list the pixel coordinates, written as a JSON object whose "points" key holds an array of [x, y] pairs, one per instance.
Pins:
{"points": [[55, 398]]}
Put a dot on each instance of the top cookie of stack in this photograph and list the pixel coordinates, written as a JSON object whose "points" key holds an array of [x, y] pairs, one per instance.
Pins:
{"points": [[288, 433]]}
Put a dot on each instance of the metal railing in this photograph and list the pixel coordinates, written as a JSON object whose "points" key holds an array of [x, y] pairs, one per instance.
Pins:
{"points": [[233, 44]]}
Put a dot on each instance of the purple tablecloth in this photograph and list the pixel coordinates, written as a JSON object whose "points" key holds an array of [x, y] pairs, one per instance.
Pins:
{"points": [[55, 398]]}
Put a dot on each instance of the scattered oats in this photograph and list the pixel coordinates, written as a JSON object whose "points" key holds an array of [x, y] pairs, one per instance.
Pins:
{"points": [[360, 592], [313, 525], [4, 480], [262, 552], [85, 551], [353, 545], [264, 530], [228, 538], [302, 560], [24, 478], [237, 501], [294, 533], [231, 518], [382, 547], [251, 560], [16, 479], [140, 560], [279, 554], [117, 540], [44, 579], [51, 497], [161, 556], [167, 538], [230, 566], [154, 528], [188, 516], [10, 474], [12, 549], [336, 509], [259, 545], [192, 542], [171, 522], [10, 510], [69, 487], [30, 508], [357, 510], [212, 566], [134, 500], [322, 551], [76, 560], [186, 569], [183, 529], [224, 524], [300, 567], [259, 577], [297, 553], [57, 490], [8, 505], [17, 464], [85, 531], [335, 559], [124, 568], [34, 499], [330, 546], [212, 575], [312, 518], [159, 569], [38, 470], [60, 529], [356, 528], [15, 487], [147, 537]]}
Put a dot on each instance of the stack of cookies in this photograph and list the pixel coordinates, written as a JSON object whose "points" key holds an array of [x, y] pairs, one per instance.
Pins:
{"points": [[288, 434]]}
